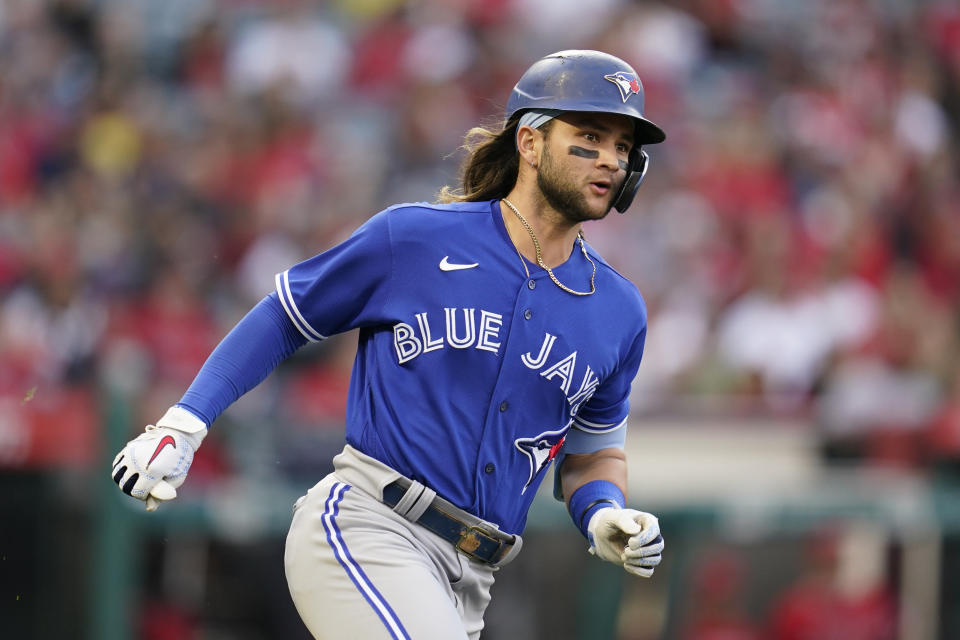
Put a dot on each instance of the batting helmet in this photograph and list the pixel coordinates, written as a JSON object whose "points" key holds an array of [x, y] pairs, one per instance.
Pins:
{"points": [[584, 80]]}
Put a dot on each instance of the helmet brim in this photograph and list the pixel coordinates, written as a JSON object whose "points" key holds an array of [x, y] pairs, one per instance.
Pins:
{"points": [[646, 132], [649, 133]]}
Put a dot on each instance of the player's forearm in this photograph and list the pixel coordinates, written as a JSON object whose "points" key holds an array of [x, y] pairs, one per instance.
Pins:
{"points": [[593, 481], [579, 469], [253, 348]]}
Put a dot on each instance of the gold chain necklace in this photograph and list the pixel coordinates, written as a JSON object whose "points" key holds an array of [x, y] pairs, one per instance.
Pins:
{"points": [[536, 246]]}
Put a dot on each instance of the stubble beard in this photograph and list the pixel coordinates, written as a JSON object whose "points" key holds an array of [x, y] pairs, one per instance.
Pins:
{"points": [[563, 197]]}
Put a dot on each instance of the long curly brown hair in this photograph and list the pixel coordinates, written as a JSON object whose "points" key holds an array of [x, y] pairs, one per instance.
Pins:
{"points": [[490, 169]]}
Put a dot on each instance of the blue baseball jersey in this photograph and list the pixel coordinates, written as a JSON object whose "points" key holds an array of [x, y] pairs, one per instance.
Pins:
{"points": [[471, 376]]}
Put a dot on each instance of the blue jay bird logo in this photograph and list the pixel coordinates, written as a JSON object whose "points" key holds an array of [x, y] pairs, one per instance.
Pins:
{"points": [[540, 451], [628, 83]]}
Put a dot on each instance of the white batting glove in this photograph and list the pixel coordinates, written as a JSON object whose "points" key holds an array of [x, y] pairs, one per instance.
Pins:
{"points": [[628, 537], [154, 464]]}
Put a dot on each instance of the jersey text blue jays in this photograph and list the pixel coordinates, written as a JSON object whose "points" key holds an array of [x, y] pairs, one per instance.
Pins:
{"points": [[529, 372]]}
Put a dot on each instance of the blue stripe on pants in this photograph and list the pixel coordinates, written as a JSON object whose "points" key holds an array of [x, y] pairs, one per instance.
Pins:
{"points": [[357, 575]]}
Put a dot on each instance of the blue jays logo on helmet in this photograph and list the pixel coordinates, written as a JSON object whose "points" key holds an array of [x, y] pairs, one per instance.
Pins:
{"points": [[628, 83], [579, 80]]}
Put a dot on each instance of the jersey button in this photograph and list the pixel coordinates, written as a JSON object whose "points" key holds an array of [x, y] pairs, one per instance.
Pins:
{"points": [[504, 406], [489, 468], [531, 284], [527, 314]]}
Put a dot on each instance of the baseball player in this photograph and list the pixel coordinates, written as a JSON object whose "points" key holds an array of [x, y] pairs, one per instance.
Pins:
{"points": [[493, 340]]}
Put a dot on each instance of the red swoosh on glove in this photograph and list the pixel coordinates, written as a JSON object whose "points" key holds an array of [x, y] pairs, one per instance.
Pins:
{"points": [[163, 442]]}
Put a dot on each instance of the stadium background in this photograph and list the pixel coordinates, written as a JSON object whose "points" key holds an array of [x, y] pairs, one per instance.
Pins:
{"points": [[797, 415]]}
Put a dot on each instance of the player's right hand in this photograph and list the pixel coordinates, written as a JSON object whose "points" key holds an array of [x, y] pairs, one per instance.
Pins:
{"points": [[627, 537], [151, 466]]}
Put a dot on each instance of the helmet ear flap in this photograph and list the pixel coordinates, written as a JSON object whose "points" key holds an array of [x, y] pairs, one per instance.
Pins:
{"points": [[636, 171]]}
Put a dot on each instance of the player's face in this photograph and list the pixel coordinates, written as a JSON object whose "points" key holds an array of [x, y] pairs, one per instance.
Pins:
{"points": [[583, 163]]}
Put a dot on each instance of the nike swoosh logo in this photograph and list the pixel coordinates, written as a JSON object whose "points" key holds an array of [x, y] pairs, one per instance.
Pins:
{"points": [[166, 440], [453, 266]]}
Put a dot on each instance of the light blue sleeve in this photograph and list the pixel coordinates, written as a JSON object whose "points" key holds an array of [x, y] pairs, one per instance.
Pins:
{"points": [[578, 441]]}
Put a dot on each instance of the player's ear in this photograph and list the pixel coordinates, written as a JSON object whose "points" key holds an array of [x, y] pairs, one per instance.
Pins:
{"points": [[528, 142]]}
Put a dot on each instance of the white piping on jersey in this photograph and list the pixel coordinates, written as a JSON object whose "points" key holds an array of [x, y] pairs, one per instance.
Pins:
{"points": [[286, 299], [593, 427]]}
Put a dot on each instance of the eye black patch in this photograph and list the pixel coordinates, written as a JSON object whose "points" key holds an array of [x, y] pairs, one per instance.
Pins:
{"points": [[583, 153], [574, 150]]}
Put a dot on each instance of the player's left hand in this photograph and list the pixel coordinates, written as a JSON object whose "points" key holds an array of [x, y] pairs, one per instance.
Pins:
{"points": [[627, 537]]}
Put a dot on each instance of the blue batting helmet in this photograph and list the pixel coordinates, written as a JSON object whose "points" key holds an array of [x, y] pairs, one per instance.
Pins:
{"points": [[584, 80]]}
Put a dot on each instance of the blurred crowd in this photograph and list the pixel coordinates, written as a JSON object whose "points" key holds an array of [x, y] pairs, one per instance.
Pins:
{"points": [[839, 592], [797, 239]]}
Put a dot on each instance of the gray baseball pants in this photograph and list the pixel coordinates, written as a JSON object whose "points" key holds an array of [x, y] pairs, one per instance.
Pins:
{"points": [[358, 569]]}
